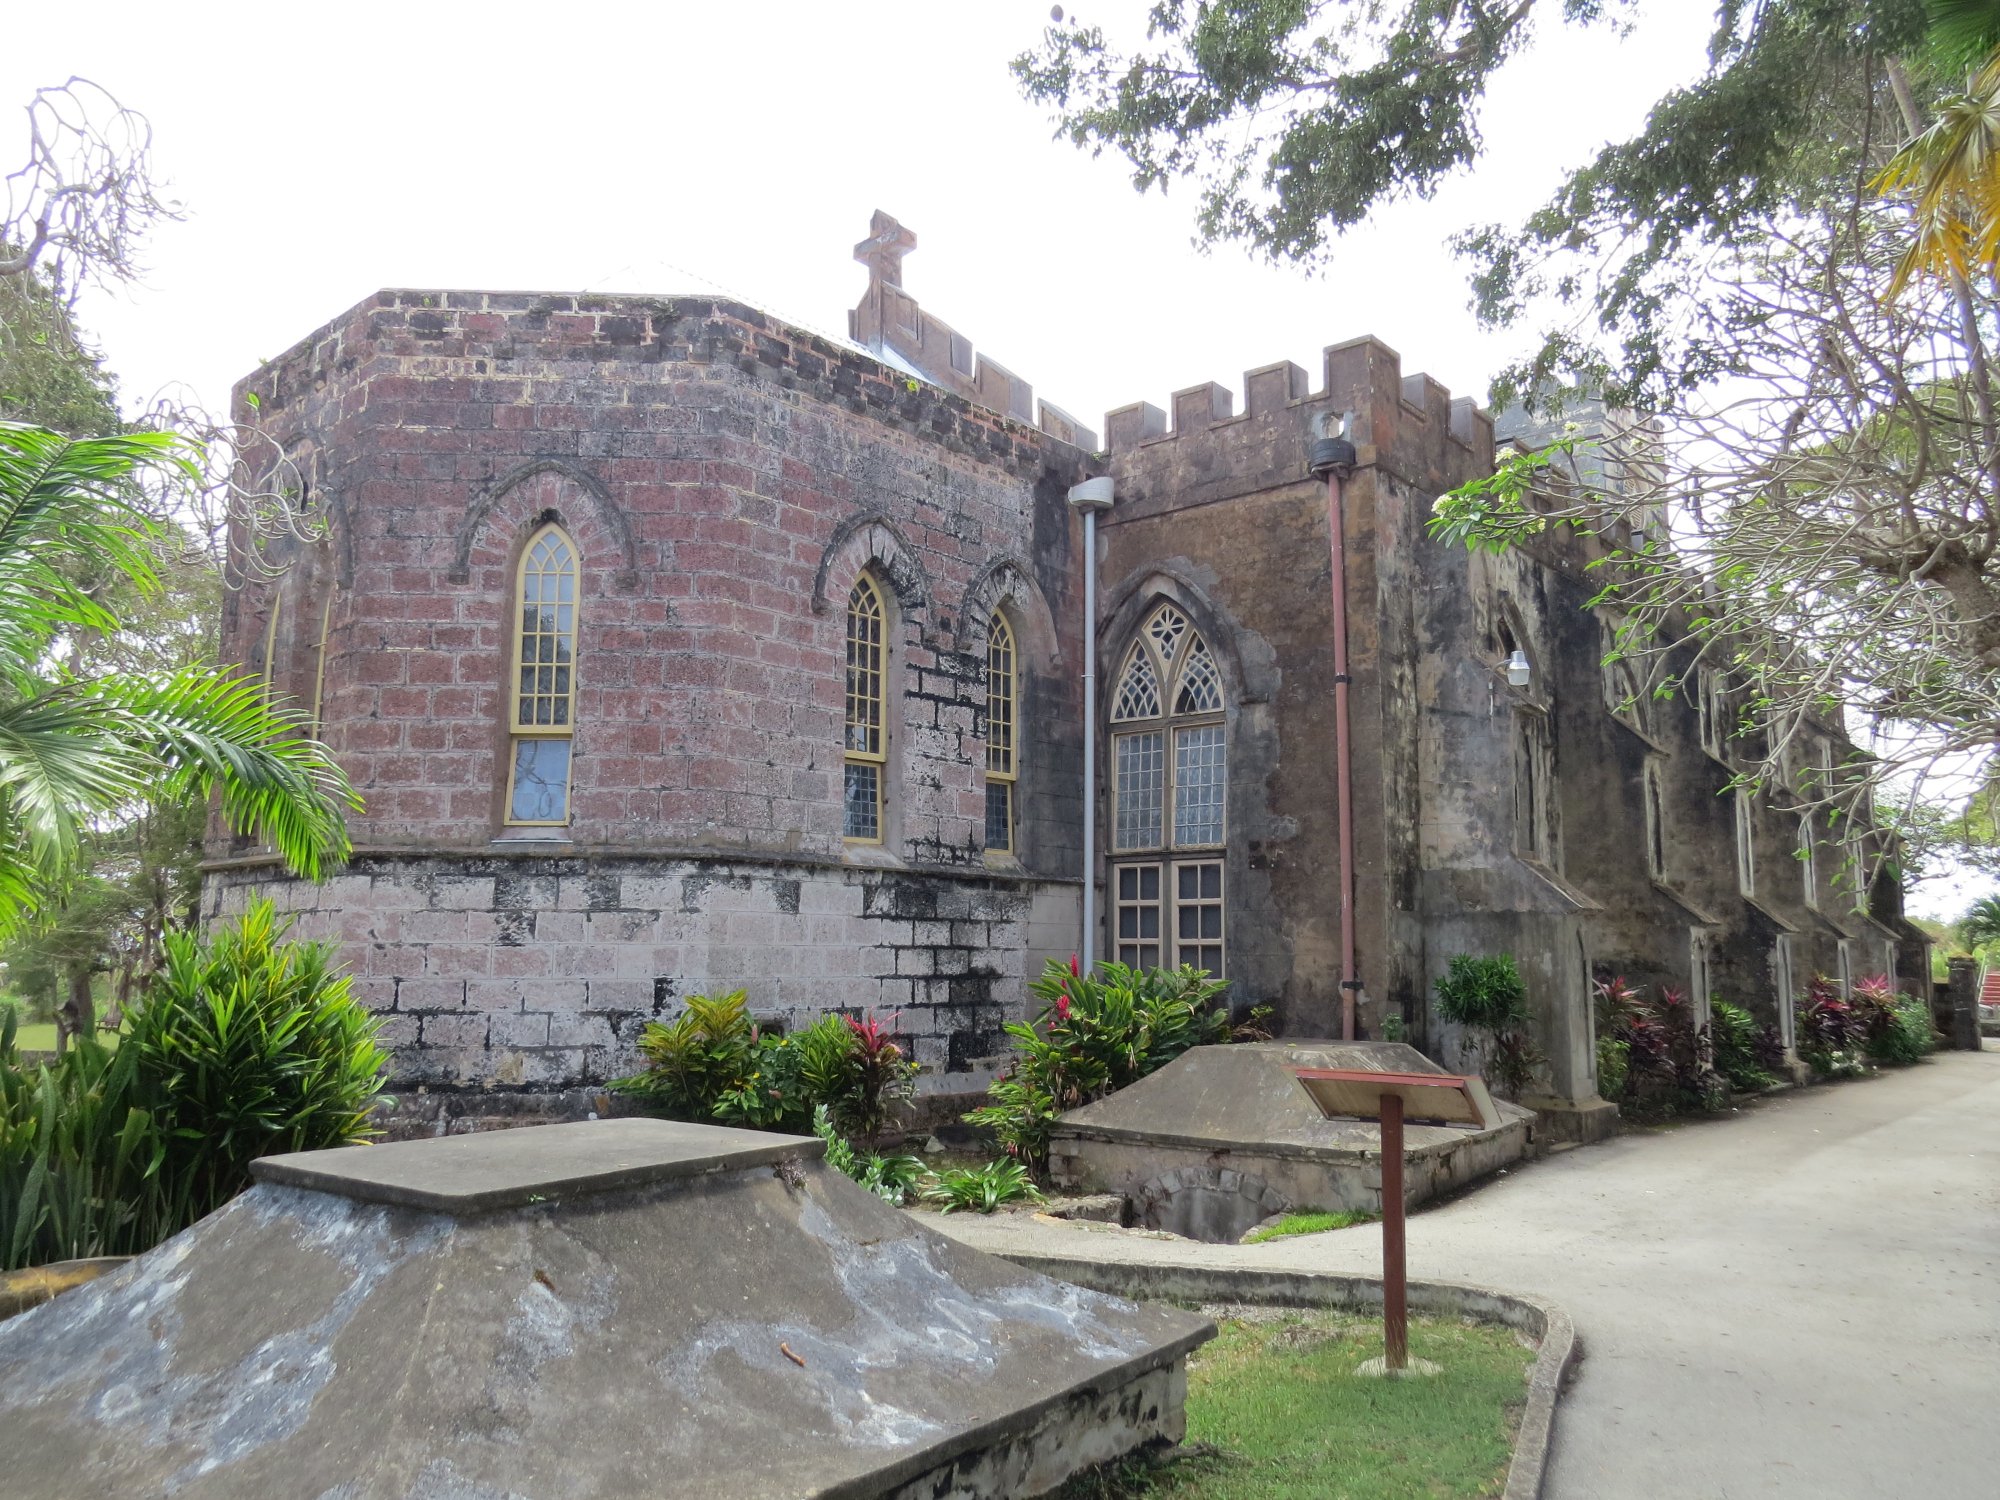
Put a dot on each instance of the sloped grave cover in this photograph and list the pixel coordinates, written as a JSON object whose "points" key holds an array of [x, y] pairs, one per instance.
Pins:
{"points": [[1245, 1097], [619, 1308]]}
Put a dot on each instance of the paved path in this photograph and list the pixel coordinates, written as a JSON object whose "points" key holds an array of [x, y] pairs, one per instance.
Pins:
{"points": [[1802, 1299]]}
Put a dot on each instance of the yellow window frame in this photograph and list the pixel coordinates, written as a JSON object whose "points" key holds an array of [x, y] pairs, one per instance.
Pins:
{"points": [[865, 740], [537, 714], [1003, 701]]}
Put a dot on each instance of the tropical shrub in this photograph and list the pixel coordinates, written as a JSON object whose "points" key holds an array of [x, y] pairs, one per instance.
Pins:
{"points": [[244, 1046], [79, 1162], [1094, 1034], [1663, 1062], [894, 1179], [1487, 995], [1895, 1029], [248, 1046], [1747, 1055], [982, 1189], [715, 1063], [1829, 1034], [1614, 1061]]}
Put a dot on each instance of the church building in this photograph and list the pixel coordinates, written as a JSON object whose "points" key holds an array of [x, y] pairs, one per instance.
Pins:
{"points": [[677, 650]]}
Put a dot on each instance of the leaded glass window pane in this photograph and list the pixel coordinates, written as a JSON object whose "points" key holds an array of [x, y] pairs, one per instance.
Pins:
{"points": [[1198, 915], [1138, 690], [1198, 785], [1140, 766], [1000, 816], [863, 802], [1136, 915], [1000, 698], [864, 669], [541, 782], [548, 632], [1201, 685]]}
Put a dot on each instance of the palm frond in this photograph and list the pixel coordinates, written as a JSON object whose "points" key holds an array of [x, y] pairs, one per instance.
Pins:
{"points": [[1951, 173], [62, 761], [1962, 33], [216, 732], [68, 504]]}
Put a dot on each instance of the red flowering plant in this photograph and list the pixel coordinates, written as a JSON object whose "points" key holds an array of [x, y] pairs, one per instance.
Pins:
{"points": [[1652, 1057], [1093, 1034]]}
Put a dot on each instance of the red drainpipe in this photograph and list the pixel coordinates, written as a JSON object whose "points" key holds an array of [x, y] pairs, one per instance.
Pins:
{"points": [[1333, 459]]}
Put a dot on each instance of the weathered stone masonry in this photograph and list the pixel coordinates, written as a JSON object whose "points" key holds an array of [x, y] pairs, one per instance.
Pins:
{"points": [[725, 480]]}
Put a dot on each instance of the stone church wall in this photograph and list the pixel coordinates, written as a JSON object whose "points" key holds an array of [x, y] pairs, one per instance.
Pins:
{"points": [[725, 479]]}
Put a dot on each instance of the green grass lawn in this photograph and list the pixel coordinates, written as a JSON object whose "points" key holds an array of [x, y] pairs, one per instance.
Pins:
{"points": [[40, 1036], [1276, 1412], [1293, 1224]]}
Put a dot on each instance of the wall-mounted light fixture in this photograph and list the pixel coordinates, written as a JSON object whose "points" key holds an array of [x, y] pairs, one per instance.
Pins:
{"points": [[1518, 670]]}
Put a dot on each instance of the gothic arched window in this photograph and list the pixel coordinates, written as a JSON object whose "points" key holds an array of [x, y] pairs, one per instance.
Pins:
{"points": [[867, 745], [544, 690], [1002, 717], [1169, 773]]}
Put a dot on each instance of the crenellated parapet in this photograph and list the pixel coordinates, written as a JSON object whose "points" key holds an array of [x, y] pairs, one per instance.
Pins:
{"points": [[891, 325], [1201, 447]]}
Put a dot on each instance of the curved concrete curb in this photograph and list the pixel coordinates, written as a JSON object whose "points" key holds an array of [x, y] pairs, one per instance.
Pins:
{"points": [[1546, 1322]]}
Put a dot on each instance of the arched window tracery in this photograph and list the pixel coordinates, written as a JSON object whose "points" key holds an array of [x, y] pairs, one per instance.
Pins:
{"points": [[1169, 765]]}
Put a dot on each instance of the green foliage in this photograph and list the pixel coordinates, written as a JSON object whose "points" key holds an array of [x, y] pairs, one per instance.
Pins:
{"points": [[707, 1051], [245, 1046], [713, 1062], [1019, 1114], [79, 1161], [1296, 121], [1614, 1061], [893, 1179], [1295, 1224], [1094, 1034], [982, 1189], [1746, 1054], [1894, 1029], [249, 1045], [1981, 923], [1486, 993], [46, 376], [80, 748], [1662, 1063]]}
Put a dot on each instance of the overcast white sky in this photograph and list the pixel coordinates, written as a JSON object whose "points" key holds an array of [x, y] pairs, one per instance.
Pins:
{"points": [[323, 151]]}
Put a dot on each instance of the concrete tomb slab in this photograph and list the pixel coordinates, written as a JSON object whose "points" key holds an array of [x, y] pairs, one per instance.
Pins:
{"points": [[616, 1308], [1224, 1137], [509, 1168]]}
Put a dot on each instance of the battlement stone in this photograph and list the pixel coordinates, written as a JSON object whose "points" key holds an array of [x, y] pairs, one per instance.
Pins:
{"points": [[1409, 425]]}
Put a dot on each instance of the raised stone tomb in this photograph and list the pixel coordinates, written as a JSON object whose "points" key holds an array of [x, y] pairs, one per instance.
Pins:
{"points": [[614, 1308], [1224, 1137]]}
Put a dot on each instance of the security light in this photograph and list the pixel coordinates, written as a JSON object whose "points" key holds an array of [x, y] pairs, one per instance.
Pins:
{"points": [[1518, 670]]}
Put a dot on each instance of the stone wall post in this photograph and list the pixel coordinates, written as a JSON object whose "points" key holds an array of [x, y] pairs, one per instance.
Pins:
{"points": [[1957, 1005]]}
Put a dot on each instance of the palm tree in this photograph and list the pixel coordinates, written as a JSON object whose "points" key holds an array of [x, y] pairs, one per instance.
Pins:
{"points": [[1951, 171], [1981, 925], [79, 750]]}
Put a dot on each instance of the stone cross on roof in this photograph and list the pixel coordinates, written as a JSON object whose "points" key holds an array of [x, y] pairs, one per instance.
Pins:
{"points": [[883, 251]]}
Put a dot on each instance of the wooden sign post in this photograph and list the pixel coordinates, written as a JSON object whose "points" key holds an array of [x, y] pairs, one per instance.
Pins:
{"points": [[1429, 1098]]}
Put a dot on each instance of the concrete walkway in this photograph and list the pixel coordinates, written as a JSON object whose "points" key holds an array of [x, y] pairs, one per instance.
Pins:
{"points": [[1802, 1299]]}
